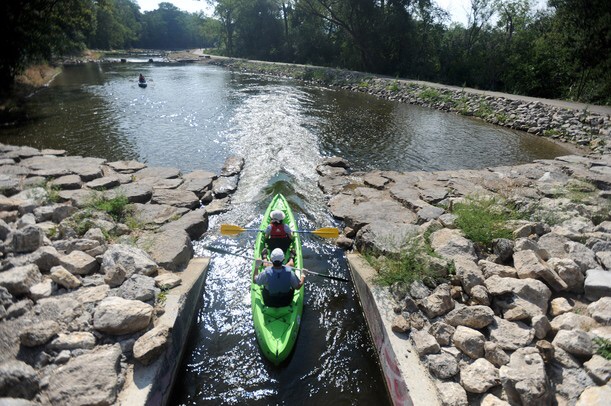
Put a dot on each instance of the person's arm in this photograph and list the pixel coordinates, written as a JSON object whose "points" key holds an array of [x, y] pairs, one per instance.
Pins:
{"points": [[258, 264], [268, 231]]}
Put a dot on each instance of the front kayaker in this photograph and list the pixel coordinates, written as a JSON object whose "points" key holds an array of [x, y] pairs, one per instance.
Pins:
{"points": [[141, 78], [279, 281], [278, 235]]}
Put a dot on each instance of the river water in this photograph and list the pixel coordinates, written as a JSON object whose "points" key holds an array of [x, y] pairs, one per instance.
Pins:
{"points": [[195, 116]]}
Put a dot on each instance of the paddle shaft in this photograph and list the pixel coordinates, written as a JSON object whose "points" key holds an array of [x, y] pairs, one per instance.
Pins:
{"points": [[222, 251]]}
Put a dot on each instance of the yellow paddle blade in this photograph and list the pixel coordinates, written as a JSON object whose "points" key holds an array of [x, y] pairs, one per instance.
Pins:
{"points": [[230, 229], [326, 232]]}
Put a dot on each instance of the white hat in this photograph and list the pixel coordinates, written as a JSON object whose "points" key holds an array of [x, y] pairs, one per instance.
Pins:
{"points": [[277, 255], [277, 215]]}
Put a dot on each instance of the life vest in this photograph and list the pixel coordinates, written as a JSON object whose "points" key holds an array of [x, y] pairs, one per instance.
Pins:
{"points": [[278, 231]]}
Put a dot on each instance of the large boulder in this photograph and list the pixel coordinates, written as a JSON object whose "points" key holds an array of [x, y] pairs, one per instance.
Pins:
{"points": [[18, 379], [524, 378], [19, 280], [171, 249], [88, 379], [117, 316], [131, 259]]}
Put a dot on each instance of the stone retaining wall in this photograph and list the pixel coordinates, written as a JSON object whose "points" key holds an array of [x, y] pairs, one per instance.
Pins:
{"points": [[518, 323], [86, 297]]}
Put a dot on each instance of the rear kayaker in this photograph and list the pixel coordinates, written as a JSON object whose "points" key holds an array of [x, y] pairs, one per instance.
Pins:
{"points": [[277, 328]]}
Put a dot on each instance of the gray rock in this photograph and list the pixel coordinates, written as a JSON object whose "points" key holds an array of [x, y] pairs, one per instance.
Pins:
{"points": [[559, 305], [73, 341], [103, 183], [27, 239], [503, 249], [541, 326], [524, 379], [157, 214], [62, 277], [41, 290], [492, 269], [18, 379], [595, 396], [469, 341], [569, 382], [529, 265], [157, 172], [136, 192], [39, 333], [438, 303], [151, 344], [470, 316], [385, 237], [224, 186], [400, 325], [132, 259], [442, 332], [67, 182], [19, 280], [442, 366], [88, 379], [582, 255], [177, 198], [569, 272], [597, 284], [424, 343], [601, 310], [195, 223], [167, 280], [576, 342], [171, 249], [495, 354], [510, 335], [138, 287], [570, 321], [479, 376], [79, 263], [126, 166], [233, 165], [451, 394], [599, 369], [530, 294], [451, 243], [117, 316], [468, 273]]}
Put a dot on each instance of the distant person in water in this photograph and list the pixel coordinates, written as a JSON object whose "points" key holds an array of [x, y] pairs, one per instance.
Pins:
{"points": [[141, 79]]}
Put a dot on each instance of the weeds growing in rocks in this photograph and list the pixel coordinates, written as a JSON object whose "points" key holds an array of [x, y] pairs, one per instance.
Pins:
{"points": [[117, 207], [412, 264], [604, 347], [484, 219]]}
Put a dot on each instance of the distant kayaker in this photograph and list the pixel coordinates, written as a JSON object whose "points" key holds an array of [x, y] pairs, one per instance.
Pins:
{"points": [[279, 281], [278, 235], [141, 79]]}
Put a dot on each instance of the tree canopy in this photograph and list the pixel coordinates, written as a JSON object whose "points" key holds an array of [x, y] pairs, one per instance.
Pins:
{"points": [[562, 51]]}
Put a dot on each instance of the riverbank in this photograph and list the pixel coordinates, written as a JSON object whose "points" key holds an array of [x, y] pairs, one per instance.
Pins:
{"points": [[97, 281], [520, 319], [575, 123]]}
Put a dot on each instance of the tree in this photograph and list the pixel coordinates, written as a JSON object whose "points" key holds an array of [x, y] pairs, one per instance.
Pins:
{"points": [[35, 31]]}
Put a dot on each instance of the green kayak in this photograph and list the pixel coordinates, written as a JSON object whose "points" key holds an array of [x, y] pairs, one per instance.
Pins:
{"points": [[276, 328]]}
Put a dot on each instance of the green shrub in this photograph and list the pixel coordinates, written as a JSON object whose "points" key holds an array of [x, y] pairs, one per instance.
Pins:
{"points": [[604, 347], [484, 219], [410, 265], [117, 207]]}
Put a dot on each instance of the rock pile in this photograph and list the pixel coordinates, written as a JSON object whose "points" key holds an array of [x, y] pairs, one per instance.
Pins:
{"points": [[80, 290], [522, 324]]}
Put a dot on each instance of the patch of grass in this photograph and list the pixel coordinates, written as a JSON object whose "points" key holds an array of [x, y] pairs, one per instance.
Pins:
{"points": [[118, 207], [394, 87], [53, 193], [579, 191], [552, 133], [484, 110], [484, 219], [604, 347], [410, 265], [431, 95]]}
